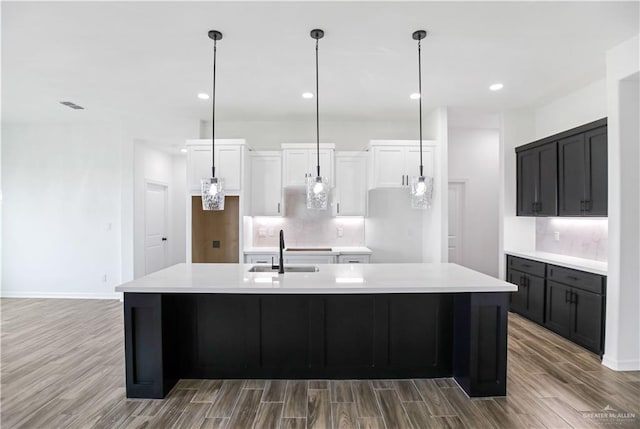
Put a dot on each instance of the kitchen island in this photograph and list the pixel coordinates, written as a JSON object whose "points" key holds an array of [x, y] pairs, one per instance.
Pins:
{"points": [[361, 321]]}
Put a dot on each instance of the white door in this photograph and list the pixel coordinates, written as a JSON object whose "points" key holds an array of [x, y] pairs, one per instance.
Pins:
{"points": [[295, 166], [229, 166], [199, 163], [351, 185], [266, 185], [155, 228], [388, 167], [456, 219]]}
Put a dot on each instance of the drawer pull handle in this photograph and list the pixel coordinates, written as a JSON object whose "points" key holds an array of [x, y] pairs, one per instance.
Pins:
{"points": [[573, 278]]}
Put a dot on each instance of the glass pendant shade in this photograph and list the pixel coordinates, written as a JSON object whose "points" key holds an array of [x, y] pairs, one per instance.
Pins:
{"points": [[317, 193], [421, 192], [213, 193]]}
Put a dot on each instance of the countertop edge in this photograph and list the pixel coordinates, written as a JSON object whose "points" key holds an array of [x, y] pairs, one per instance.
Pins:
{"points": [[587, 266]]}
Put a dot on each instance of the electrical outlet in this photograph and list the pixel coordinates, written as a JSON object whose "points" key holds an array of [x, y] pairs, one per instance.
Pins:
{"points": [[340, 231], [262, 232], [556, 235]]}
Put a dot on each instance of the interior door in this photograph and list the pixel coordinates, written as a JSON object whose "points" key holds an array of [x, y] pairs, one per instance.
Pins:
{"points": [[456, 217], [155, 227]]}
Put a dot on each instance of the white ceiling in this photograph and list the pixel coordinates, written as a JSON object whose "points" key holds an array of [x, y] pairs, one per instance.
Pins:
{"points": [[148, 60]]}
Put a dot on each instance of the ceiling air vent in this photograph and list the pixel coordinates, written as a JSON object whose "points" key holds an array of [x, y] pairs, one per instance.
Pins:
{"points": [[72, 105]]}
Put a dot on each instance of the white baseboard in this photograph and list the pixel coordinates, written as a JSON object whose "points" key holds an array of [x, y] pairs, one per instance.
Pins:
{"points": [[621, 365], [59, 295]]}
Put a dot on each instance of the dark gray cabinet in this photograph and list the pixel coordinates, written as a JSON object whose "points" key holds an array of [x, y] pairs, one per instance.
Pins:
{"points": [[582, 161], [528, 301], [537, 181], [569, 302], [564, 174]]}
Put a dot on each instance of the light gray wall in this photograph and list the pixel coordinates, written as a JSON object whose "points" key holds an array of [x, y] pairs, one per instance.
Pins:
{"points": [[474, 157]]}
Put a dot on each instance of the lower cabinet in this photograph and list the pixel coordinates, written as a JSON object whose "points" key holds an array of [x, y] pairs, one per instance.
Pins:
{"points": [[566, 301], [529, 299], [576, 314]]}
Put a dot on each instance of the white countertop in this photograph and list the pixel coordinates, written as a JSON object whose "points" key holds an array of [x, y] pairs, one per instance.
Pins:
{"points": [[340, 250], [589, 265], [331, 279]]}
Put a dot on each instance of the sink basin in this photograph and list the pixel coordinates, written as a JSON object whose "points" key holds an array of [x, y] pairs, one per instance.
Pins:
{"points": [[296, 269]]}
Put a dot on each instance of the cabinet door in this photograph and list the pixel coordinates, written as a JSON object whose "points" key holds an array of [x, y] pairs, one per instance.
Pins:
{"points": [[229, 166], [310, 259], [354, 259], [573, 173], [586, 318], [326, 164], [527, 182], [295, 167], [388, 167], [558, 309], [535, 298], [597, 180], [547, 202], [412, 161], [518, 299], [351, 185], [266, 185], [198, 166]]}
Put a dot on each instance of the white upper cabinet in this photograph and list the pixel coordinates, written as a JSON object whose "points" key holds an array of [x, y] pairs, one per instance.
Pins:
{"points": [[228, 163], [394, 162], [351, 184], [266, 184], [299, 160]]}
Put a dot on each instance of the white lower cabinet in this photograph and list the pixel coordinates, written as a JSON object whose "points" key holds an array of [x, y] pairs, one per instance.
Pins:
{"points": [[354, 259], [261, 258], [310, 259]]}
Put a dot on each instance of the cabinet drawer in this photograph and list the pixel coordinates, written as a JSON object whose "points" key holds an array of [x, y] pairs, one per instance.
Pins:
{"points": [[526, 265], [261, 258], [579, 279], [353, 259]]}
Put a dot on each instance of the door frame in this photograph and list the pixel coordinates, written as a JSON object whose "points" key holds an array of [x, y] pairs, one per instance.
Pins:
{"points": [[167, 224], [463, 183]]}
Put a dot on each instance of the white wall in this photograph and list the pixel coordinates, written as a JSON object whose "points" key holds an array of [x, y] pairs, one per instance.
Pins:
{"points": [[577, 108], [347, 135], [178, 209], [62, 209], [622, 333], [474, 158]]}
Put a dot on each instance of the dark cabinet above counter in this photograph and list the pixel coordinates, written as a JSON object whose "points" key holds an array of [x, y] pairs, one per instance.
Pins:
{"points": [[564, 174]]}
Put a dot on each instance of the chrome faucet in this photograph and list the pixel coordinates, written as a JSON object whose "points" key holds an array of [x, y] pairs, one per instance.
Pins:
{"points": [[280, 265]]}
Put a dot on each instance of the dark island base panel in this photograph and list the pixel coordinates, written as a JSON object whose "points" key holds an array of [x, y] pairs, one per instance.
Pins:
{"points": [[360, 336]]}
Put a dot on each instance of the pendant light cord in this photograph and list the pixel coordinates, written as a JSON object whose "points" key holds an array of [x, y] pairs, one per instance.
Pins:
{"points": [[317, 114], [213, 115], [420, 91]]}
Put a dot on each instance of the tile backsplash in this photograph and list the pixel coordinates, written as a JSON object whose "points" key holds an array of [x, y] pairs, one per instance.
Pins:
{"points": [[307, 228], [578, 237]]}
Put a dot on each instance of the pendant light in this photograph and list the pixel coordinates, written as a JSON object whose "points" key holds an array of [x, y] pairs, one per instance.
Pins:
{"points": [[213, 187], [421, 186], [317, 187]]}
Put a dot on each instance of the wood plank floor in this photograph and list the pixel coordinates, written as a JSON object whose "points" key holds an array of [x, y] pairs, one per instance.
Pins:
{"points": [[62, 365]]}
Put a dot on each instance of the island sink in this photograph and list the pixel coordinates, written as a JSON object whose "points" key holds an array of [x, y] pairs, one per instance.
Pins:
{"points": [[297, 269]]}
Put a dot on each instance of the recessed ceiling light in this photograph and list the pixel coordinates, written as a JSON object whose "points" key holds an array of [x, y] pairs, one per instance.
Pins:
{"points": [[414, 96], [307, 95], [183, 150], [496, 87], [203, 96]]}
